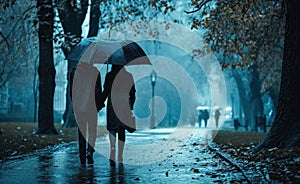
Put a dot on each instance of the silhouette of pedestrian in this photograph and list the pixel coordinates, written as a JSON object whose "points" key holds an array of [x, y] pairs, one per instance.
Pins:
{"points": [[200, 117], [217, 117], [205, 117], [85, 93], [119, 89]]}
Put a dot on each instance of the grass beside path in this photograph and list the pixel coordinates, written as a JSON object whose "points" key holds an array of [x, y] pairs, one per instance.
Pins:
{"points": [[18, 138], [238, 138]]}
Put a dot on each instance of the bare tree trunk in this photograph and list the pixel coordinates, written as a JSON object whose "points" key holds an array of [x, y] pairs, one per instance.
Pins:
{"points": [[252, 105], [285, 131], [46, 68], [72, 19], [257, 108], [94, 18], [35, 91], [244, 101], [68, 116]]}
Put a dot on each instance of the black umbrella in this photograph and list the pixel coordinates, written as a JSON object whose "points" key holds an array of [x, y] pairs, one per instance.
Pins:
{"points": [[94, 50]]}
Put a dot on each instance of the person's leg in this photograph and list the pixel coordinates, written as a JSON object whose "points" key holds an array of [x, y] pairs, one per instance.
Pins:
{"points": [[81, 147], [121, 144], [112, 141], [92, 131], [81, 137]]}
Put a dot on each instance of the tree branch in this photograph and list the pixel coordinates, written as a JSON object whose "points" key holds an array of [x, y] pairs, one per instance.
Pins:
{"points": [[198, 7], [4, 38], [20, 18]]}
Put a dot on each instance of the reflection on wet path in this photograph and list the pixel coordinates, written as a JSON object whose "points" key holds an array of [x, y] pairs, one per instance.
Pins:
{"points": [[183, 161]]}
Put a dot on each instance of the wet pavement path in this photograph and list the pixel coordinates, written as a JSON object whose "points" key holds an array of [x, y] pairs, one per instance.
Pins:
{"points": [[151, 156]]}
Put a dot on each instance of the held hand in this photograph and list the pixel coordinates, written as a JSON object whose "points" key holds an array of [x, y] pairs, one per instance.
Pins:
{"points": [[100, 107]]}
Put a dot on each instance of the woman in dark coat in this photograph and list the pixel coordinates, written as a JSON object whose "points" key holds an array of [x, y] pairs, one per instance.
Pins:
{"points": [[119, 89]]}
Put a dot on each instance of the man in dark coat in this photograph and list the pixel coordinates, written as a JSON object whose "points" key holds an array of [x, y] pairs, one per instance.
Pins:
{"points": [[85, 93], [119, 89]]}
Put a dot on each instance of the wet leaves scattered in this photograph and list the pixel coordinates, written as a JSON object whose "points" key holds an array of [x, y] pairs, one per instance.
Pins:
{"points": [[137, 179], [195, 170], [218, 181], [215, 175], [276, 165], [204, 164], [234, 181], [18, 138]]}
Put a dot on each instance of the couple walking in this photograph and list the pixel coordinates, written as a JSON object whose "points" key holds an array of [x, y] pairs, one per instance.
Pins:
{"points": [[88, 99]]}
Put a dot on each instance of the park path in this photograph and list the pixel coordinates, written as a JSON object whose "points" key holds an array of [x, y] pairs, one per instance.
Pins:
{"points": [[151, 156]]}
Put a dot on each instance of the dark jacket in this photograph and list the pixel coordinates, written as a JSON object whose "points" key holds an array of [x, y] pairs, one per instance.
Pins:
{"points": [[205, 114], [91, 73], [120, 92]]}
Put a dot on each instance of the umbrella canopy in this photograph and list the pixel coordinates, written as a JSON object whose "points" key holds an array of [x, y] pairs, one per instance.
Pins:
{"points": [[94, 50], [200, 107]]}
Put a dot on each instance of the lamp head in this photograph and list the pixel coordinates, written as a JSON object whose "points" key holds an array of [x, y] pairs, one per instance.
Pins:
{"points": [[153, 77]]}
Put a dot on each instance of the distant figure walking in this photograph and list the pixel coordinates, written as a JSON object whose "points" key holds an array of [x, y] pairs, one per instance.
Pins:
{"points": [[200, 117], [86, 88], [217, 117], [205, 117], [119, 89]]}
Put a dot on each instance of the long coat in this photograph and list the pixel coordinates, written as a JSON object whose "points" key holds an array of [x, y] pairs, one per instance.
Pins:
{"points": [[119, 89], [86, 88]]}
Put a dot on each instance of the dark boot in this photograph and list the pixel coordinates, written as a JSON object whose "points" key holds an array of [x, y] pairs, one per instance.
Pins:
{"points": [[89, 155], [82, 160], [82, 148], [112, 163]]}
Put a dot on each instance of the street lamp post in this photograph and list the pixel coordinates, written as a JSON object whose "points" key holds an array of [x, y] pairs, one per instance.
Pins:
{"points": [[153, 76], [232, 106]]}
